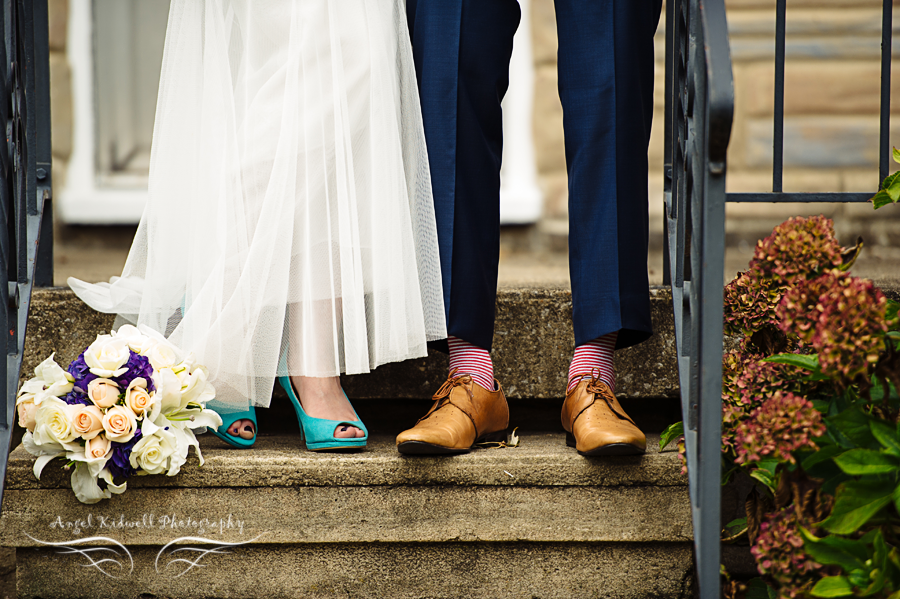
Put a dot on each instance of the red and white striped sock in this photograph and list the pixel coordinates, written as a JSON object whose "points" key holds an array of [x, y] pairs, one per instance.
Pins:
{"points": [[472, 360], [594, 355]]}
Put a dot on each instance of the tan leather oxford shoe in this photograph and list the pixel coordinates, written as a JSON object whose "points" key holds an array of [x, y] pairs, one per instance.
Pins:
{"points": [[596, 424], [464, 413]]}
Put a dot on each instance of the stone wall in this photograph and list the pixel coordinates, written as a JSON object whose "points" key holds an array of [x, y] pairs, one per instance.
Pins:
{"points": [[831, 103]]}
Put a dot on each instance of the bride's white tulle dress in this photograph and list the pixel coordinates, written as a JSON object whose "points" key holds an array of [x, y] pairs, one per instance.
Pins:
{"points": [[290, 224]]}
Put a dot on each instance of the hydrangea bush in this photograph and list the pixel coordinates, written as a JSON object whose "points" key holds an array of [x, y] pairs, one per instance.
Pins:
{"points": [[810, 412]]}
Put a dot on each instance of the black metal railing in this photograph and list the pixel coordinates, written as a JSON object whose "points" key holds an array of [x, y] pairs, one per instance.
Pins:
{"points": [[26, 233], [699, 111], [777, 194]]}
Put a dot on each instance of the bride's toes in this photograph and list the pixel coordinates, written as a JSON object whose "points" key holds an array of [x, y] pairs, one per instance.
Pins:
{"points": [[347, 432], [247, 430], [242, 428]]}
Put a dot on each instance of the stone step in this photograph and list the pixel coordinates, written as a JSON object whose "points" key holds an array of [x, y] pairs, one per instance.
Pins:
{"points": [[537, 520], [533, 344]]}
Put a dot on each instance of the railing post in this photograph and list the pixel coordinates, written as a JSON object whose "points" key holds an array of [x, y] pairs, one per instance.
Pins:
{"points": [[699, 114], [25, 165]]}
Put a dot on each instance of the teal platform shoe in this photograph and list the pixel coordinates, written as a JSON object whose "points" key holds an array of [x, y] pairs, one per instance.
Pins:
{"points": [[319, 432], [228, 420]]}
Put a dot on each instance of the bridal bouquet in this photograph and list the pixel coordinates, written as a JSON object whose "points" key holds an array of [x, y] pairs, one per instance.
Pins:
{"points": [[127, 405]]}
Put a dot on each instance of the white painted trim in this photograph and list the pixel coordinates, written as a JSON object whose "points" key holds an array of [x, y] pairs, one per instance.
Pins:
{"points": [[521, 200], [82, 200], [103, 207]]}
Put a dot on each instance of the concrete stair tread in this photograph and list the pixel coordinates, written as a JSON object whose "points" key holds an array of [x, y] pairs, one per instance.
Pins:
{"points": [[541, 491], [541, 459]]}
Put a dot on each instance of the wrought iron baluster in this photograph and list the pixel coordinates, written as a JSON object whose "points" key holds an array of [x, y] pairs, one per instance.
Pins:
{"points": [[699, 110], [23, 198]]}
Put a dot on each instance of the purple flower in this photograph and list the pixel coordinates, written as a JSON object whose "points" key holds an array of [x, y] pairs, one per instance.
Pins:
{"points": [[81, 373], [75, 397], [118, 463], [138, 366]]}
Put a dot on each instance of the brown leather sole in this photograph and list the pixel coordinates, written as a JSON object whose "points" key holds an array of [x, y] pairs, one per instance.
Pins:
{"points": [[611, 449], [423, 448]]}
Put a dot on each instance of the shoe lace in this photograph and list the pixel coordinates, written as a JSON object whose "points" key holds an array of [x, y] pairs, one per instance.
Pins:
{"points": [[451, 382], [600, 389]]}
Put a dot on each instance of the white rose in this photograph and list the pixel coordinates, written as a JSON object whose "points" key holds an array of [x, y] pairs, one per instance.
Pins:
{"points": [[53, 422], [158, 350], [132, 336], [151, 454], [106, 356]]}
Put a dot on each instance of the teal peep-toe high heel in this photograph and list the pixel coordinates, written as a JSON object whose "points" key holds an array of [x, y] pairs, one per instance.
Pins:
{"points": [[228, 420], [319, 432]]}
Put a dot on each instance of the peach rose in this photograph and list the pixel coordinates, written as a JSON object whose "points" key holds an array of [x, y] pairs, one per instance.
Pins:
{"points": [[119, 424], [103, 392], [26, 411], [137, 398], [97, 447], [88, 422]]}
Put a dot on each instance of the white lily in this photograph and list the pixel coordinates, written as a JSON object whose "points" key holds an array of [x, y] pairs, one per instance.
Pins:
{"points": [[44, 453], [84, 483]]}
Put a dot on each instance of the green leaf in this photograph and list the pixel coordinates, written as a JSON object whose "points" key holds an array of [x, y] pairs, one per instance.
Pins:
{"points": [[765, 477], [758, 589], [855, 504], [832, 586], [892, 185], [894, 557], [672, 432], [878, 573], [807, 362], [887, 436], [824, 454], [881, 199], [735, 527], [895, 496], [829, 487], [853, 426], [895, 153], [893, 308], [858, 462], [829, 553]]}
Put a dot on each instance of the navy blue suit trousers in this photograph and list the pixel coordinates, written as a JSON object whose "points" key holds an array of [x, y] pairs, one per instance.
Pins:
{"points": [[462, 50]]}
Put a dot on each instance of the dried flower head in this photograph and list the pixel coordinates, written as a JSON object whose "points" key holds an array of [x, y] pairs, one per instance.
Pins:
{"points": [[797, 249], [780, 556], [747, 382], [843, 318], [750, 303], [782, 424]]}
